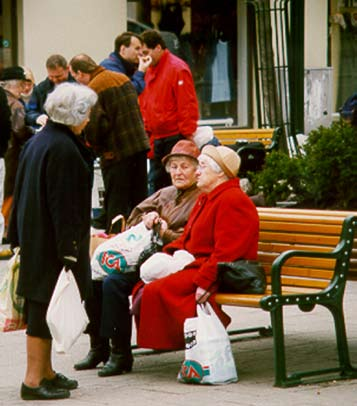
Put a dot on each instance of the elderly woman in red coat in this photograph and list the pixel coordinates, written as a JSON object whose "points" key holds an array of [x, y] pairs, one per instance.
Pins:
{"points": [[223, 226]]}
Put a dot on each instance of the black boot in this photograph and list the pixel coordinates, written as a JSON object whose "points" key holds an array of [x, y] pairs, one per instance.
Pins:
{"points": [[120, 360], [99, 352]]}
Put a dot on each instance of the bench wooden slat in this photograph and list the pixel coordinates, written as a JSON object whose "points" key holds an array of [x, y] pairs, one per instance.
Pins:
{"points": [[302, 282], [304, 245], [312, 228], [251, 300], [230, 136], [301, 262], [303, 272]]}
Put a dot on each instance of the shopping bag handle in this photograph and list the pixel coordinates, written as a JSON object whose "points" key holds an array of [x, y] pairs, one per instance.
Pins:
{"points": [[116, 219]]}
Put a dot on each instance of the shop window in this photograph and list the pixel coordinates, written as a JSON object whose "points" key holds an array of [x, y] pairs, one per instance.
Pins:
{"points": [[7, 32], [207, 33]]}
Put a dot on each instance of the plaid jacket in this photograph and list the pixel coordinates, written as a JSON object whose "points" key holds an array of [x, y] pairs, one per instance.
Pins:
{"points": [[116, 128]]}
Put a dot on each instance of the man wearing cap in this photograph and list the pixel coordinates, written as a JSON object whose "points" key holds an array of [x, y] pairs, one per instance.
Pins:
{"points": [[170, 207], [57, 72], [12, 80], [223, 226]]}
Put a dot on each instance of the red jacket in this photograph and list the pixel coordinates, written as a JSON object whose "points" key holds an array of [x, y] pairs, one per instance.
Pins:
{"points": [[169, 103], [223, 226]]}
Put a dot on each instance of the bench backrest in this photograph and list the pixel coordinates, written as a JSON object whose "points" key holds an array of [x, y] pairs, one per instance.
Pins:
{"points": [[267, 136], [308, 230]]}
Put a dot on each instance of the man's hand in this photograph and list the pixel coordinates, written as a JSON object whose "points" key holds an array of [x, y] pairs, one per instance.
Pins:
{"points": [[42, 120], [202, 295], [144, 63]]}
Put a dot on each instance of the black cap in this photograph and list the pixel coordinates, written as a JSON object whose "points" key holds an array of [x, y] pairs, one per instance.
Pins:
{"points": [[15, 72]]}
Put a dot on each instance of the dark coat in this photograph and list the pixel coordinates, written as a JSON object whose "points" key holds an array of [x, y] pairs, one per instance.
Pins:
{"points": [[117, 64], [51, 211], [35, 106], [5, 122]]}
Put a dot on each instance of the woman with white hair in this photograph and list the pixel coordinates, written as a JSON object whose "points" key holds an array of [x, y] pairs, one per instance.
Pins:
{"points": [[50, 222], [223, 226]]}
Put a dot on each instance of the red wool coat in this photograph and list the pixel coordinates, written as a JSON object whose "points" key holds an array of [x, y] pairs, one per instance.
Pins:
{"points": [[223, 226]]}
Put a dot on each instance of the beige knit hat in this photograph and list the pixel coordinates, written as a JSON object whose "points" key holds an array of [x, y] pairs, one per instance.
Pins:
{"points": [[226, 158]]}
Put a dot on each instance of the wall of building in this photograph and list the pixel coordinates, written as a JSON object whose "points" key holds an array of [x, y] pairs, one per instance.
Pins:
{"points": [[67, 27], [316, 33]]}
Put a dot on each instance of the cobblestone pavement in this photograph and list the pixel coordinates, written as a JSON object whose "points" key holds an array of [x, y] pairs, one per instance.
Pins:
{"points": [[309, 339]]}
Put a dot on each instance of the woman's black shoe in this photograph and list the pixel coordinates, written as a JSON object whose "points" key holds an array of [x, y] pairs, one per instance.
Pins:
{"points": [[60, 382], [43, 392], [92, 359], [117, 365]]}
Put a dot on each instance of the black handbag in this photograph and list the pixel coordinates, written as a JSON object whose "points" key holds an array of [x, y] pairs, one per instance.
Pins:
{"points": [[242, 276], [155, 245]]}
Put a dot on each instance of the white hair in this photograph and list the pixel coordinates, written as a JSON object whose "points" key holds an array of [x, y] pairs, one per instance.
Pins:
{"points": [[211, 163], [70, 103]]}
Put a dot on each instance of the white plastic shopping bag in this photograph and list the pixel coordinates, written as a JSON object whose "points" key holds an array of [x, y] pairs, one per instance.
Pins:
{"points": [[121, 252], [208, 353], [161, 264], [11, 304], [66, 316]]}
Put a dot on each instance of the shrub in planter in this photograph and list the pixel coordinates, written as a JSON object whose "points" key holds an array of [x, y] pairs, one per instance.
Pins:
{"points": [[329, 167], [280, 178], [324, 177]]}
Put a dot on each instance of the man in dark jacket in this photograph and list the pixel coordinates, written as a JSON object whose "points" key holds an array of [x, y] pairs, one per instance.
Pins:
{"points": [[116, 134], [57, 72], [127, 59]]}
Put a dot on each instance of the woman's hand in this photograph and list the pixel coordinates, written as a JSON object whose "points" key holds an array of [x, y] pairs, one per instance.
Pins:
{"points": [[150, 219], [202, 295], [163, 227]]}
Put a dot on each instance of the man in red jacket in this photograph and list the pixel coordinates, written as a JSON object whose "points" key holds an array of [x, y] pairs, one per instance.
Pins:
{"points": [[168, 104]]}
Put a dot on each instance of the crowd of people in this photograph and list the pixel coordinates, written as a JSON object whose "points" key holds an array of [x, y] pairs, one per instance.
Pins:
{"points": [[139, 103]]}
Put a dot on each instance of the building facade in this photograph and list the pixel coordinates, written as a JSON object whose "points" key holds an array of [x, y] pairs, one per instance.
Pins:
{"points": [[255, 63]]}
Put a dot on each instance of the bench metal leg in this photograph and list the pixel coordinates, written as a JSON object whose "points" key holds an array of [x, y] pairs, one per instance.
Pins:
{"points": [[346, 368], [276, 316]]}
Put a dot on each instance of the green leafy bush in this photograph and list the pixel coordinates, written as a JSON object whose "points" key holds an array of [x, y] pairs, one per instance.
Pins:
{"points": [[330, 166], [325, 176], [280, 178]]}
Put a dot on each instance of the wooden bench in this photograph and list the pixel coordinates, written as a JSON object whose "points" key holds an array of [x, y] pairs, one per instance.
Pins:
{"points": [[268, 136], [307, 255]]}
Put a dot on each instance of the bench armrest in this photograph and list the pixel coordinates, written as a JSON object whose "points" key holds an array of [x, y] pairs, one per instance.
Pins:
{"points": [[274, 140], [281, 259]]}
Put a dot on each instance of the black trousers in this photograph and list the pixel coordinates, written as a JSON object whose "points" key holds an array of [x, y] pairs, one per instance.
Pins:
{"points": [[109, 308], [125, 185], [158, 177], [116, 322]]}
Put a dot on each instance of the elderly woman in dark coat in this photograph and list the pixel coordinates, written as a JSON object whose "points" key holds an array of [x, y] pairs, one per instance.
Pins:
{"points": [[51, 223]]}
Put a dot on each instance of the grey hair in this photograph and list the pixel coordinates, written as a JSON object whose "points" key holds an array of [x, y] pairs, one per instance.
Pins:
{"points": [[70, 103], [192, 161], [211, 163]]}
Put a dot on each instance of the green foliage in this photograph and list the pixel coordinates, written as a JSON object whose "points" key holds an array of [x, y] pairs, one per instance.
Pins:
{"points": [[280, 178], [330, 166], [325, 176]]}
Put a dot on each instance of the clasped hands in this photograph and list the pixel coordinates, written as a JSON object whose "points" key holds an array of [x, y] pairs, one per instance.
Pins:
{"points": [[152, 218]]}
